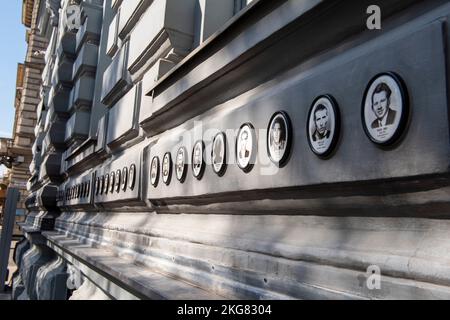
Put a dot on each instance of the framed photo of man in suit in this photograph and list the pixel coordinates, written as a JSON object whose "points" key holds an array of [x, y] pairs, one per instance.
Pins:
{"points": [[132, 176], [385, 108], [154, 171], [198, 162], [181, 164], [279, 136], [246, 147], [112, 181], [124, 178], [167, 168], [323, 125], [218, 153]]}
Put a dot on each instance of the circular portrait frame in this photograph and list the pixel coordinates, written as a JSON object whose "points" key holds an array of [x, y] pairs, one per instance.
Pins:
{"points": [[254, 145], [402, 121], [132, 177], [166, 178], [154, 181], [282, 161], [184, 170], [198, 173], [125, 178], [221, 168], [334, 133]]}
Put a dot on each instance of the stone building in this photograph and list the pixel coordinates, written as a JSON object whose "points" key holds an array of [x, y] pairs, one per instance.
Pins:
{"points": [[16, 153], [239, 149]]}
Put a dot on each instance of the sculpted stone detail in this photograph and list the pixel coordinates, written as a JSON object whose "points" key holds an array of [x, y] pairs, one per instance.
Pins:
{"points": [[51, 281], [53, 6], [34, 259]]}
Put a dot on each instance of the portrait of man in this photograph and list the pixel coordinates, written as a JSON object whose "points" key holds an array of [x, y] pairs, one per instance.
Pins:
{"points": [[107, 183], [381, 100], [197, 160], [166, 168], [244, 151], [132, 176], [385, 108], [321, 119], [245, 147], [180, 163], [112, 179], [124, 178], [218, 153], [197, 157], [154, 171], [323, 125], [278, 138]]}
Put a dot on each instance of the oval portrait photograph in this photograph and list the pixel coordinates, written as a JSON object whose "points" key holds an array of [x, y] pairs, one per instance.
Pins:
{"points": [[246, 147], [385, 109], [198, 163], [154, 171], [107, 183], [124, 178], [167, 168], [218, 153], [112, 180], [279, 136], [181, 164], [132, 176], [118, 180], [323, 125]]}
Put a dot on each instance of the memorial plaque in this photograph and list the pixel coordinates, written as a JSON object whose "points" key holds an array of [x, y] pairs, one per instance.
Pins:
{"points": [[102, 184], [118, 180], [246, 147], [323, 125], [385, 109], [198, 162], [132, 176], [112, 181], [218, 153], [181, 164], [167, 168], [97, 185], [279, 137], [154, 171], [107, 182], [124, 178]]}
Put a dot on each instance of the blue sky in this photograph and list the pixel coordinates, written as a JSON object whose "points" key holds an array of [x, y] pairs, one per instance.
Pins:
{"points": [[12, 51]]}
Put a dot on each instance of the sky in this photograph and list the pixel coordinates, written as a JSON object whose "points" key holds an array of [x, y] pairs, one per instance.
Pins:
{"points": [[12, 51]]}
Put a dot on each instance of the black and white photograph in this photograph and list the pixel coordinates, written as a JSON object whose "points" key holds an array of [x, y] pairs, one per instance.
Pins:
{"points": [[385, 108], [246, 147], [323, 125], [181, 165], [279, 137], [118, 180], [154, 171], [112, 181], [198, 161], [166, 168], [252, 150], [124, 178], [132, 176], [218, 153], [107, 182]]}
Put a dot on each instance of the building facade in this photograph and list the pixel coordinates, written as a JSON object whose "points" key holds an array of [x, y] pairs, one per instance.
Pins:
{"points": [[16, 153], [205, 149]]}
